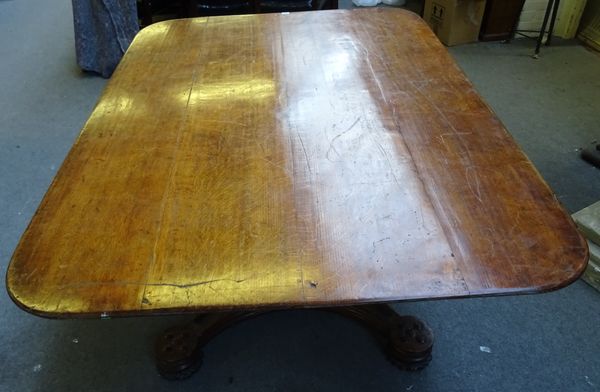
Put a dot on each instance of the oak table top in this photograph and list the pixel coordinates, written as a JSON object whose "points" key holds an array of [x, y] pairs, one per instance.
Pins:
{"points": [[290, 160]]}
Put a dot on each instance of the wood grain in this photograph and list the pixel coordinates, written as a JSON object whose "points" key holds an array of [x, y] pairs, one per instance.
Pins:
{"points": [[290, 160]]}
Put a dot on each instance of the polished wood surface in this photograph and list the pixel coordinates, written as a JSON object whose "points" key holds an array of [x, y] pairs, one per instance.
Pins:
{"points": [[290, 160]]}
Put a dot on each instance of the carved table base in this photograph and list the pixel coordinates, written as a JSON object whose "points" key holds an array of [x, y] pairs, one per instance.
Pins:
{"points": [[407, 341]]}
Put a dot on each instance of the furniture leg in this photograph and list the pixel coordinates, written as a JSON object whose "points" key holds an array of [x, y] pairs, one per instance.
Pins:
{"points": [[552, 22], [179, 349], [407, 341], [543, 29]]}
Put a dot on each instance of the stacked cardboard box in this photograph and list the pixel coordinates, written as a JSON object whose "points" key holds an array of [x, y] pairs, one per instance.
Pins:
{"points": [[588, 221], [454, 21]]}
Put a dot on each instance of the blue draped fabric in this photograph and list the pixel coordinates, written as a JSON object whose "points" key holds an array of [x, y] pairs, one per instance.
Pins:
{"points": [[104, 30]]}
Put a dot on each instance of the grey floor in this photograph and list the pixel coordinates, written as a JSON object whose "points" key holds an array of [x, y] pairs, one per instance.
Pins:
{"points": [[548, 342]]}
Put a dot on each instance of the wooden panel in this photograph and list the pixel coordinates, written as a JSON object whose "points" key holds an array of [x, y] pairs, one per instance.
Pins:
{"points": [[499, 19], [285, 160]]}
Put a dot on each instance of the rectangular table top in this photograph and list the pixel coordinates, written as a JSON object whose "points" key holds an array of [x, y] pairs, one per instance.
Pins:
{"points": [[290, 160]]}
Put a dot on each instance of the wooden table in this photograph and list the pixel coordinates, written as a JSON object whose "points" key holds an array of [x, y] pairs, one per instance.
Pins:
{"points": [[335, 159]]}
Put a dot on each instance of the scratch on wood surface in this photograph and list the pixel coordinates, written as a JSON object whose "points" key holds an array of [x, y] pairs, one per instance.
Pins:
{"points": [[378, 241], [304, 150], [517, 221], [173, 168], [151, 284], [442, 114], [225, 122], [331, 143], [475, 189], [444, 135], [280, 167], [194, 284], [389, 162], [490, 240], [377, 81], [168, 185]]}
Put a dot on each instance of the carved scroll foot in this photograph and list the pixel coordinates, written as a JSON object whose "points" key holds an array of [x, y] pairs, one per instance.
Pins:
{"points": [[410, 344], [407, 341], [179, 349]]}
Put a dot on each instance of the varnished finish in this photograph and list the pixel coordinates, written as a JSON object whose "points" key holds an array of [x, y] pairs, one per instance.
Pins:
{"points": [[290, 160], [407, 341]]}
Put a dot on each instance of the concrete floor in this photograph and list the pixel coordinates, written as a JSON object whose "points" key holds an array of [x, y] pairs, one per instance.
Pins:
{"points": [[546, 342]]}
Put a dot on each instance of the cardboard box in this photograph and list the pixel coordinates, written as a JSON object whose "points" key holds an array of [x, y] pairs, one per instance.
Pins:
{"points": [[454, 21]]}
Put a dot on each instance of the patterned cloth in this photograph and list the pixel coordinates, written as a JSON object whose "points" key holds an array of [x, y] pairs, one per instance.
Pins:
{"points": [[104, 30]]}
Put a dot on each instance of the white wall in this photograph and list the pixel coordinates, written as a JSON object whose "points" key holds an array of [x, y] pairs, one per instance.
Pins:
{"points": [[533, 14]]}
